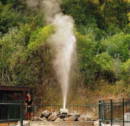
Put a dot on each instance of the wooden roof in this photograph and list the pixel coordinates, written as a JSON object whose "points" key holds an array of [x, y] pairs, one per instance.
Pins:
{"points": [[14, 88]]}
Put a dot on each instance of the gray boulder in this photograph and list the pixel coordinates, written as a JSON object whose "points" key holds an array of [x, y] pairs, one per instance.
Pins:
{"points": [[53, 117], [73, 117], [45, 114]]}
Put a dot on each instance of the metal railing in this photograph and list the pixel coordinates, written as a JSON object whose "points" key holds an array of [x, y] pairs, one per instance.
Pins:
{"points": [[16, 111], [114, 112], [11, 111]]}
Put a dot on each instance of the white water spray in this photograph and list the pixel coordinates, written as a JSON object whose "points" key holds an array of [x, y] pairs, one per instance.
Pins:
{"points": [[63, 42]]}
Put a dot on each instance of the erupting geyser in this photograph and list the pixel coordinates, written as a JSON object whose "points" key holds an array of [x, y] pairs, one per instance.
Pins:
{"points": [[63, 42]]}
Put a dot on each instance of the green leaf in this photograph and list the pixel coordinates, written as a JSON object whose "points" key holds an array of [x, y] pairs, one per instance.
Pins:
{"points": [[39, 37]]}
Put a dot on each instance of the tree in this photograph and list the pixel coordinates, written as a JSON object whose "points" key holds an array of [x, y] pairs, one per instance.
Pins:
{"points": [[126, 70], [118, 46]]}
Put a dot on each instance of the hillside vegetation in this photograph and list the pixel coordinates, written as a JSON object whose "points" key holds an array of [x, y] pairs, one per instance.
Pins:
{"points": [[102, 28]]}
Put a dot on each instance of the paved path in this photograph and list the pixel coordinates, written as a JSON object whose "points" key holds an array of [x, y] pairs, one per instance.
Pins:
{"points": [[40, 123]]}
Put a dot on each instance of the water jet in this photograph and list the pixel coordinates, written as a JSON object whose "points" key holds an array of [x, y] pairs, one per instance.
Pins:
{"points": [[63, 43]]}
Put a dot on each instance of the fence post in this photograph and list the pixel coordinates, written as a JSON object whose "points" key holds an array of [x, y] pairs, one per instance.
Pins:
{"points": [[123, 108], [21, 113], [99, 109], [7, 111], [103, 110], [111, 104]]}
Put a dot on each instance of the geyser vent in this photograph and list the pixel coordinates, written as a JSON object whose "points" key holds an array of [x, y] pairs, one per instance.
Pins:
{"points": [[63, 111]]}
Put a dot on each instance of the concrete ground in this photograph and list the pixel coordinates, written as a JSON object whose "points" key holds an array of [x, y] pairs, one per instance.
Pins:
{"points": [[41, 123]]}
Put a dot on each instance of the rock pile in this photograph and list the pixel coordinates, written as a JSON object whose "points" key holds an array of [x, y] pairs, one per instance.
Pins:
{"points": [[58, 117]]}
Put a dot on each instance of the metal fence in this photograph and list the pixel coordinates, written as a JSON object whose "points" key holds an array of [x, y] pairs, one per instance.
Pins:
{"points": [[11, 112], [16, 111], [114, 112]]}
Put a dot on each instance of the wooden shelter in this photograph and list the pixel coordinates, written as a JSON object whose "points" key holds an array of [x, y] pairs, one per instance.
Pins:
{"points": [[12, 93]]}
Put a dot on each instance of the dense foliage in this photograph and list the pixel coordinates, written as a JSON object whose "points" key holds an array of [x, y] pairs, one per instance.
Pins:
{"points": [[103, 42]]}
